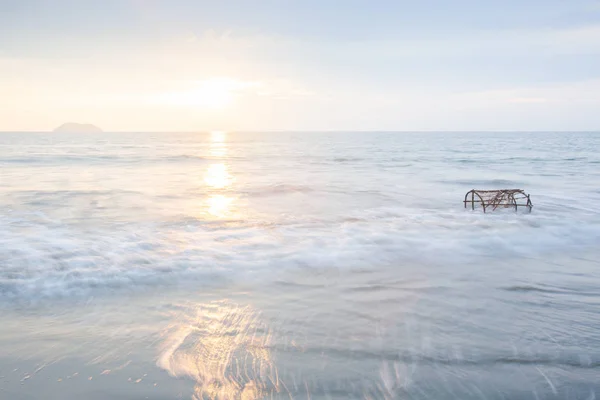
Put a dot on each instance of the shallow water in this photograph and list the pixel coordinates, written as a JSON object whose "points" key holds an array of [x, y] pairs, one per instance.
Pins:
{"points": [[298, 265]]}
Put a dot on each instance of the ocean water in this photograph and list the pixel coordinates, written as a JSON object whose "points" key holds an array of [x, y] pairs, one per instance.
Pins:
{"points": [[298, 265]]}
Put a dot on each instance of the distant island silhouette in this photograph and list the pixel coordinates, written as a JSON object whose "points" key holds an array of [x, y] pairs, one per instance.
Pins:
{"points": [[77, 128]]}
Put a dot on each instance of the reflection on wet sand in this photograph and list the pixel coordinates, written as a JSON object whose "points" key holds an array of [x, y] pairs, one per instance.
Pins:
{"points": [[224, 347]]}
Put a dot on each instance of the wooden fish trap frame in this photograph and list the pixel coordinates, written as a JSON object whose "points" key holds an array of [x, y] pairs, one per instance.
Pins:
{"points": [[504, 198]]}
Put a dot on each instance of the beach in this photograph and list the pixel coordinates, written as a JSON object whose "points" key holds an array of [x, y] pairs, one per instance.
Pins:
{"points": [[298, 265]]}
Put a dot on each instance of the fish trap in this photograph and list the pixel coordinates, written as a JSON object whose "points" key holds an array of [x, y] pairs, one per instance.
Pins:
{"points": [[494, 199]]}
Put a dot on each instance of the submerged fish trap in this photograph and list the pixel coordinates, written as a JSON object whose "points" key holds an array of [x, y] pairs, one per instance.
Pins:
{"points": [[503, 198]]}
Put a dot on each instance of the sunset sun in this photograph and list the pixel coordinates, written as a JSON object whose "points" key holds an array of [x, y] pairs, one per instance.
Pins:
{"points": [[209, 94]]}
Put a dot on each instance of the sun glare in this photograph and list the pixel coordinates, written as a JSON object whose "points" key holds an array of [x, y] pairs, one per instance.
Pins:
{"points": [[210, 94]]}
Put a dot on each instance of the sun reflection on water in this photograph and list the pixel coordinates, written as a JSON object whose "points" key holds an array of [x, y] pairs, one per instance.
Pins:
{"points": [[219, 205], [218, 178], [218, 144]]}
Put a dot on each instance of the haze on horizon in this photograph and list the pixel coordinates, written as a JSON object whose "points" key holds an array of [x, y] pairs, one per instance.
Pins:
{"points": [[135, 65]]}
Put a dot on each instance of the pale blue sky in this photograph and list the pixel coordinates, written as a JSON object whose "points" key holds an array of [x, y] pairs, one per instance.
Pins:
{"points": [[250, 65]]}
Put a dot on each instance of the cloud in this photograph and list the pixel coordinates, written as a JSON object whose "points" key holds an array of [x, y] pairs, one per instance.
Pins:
{"points": [[221, 92], [528, 100], [277, 82], [521, 42], [586, 92], [284, 89]]}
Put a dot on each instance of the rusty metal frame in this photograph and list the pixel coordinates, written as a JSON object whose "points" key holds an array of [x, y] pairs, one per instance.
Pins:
{"points": [[498, 198]]}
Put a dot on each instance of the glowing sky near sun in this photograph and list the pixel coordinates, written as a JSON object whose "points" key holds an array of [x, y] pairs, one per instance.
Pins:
{"points": [[300, 65]]}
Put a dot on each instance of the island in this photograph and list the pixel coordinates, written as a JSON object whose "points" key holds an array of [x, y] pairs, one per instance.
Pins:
{"points": [[78, 128]]}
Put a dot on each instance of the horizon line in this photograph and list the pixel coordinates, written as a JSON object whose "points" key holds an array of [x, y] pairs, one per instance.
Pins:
{"points": [[311, 131]]}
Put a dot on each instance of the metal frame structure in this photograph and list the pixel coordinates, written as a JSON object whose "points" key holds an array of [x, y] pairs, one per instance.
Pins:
{"points": [[504, 198]]}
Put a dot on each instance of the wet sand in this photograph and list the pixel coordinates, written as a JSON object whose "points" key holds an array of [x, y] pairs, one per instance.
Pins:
{"points": [[353, 334]]}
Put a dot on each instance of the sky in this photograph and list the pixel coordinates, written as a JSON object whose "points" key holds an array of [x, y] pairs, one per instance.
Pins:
{"points": [[250, 65]]}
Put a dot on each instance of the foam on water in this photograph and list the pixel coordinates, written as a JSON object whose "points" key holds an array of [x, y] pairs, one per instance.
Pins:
{"points": [[44, 257], [95, 220]]}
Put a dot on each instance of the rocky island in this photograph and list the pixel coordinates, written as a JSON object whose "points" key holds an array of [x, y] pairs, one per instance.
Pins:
{"points": [[78, 128]]}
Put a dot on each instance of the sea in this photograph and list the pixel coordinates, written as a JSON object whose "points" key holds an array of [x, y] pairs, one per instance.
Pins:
{"points": [[298, 265]]}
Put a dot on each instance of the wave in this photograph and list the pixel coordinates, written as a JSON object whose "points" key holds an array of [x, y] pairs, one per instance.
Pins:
{"points": [[527, 288], [347, 159], [43, 257], [537, 289], [279, 188], [72, 193], [487, 183], [116, 159], [422, 359], [182, 157]]}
